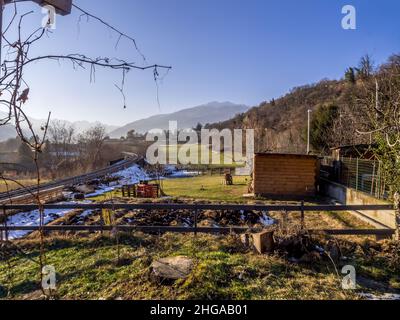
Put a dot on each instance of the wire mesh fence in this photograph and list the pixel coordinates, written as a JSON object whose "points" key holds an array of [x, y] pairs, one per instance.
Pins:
{"points": [[359, 174]]}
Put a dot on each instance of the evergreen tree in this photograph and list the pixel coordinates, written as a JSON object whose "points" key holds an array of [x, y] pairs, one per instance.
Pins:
{"points": [[350, 75]]}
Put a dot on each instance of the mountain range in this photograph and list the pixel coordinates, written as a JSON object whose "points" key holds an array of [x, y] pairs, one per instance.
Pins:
{"points": [[188, 118], [212, 112], [8, 131]]}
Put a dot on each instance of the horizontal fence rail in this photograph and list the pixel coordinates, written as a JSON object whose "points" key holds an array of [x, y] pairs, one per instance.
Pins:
{"points": [[173, 206], [196, 208], [209, 230], [157, 229]]}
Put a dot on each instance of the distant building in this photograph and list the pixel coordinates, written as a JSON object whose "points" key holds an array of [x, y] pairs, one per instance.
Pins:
{"points": [[285, 175], [361, 151]]}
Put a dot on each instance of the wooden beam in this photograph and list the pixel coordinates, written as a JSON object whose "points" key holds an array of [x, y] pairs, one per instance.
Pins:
{"points": [[156, 229], [162, 229], [173, 206]]}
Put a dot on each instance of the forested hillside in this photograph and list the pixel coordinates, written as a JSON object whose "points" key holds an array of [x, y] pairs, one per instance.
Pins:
{"points": [[281, 124]]}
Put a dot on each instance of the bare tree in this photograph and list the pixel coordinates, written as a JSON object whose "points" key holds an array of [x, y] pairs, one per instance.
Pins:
{"points": [[90, 144], [59, 147], [14, 89], [379, 100]]}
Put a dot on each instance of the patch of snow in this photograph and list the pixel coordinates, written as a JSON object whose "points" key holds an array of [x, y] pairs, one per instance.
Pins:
{"points": [[32, 218], [131, 175], [319, 249], [169, 169], [184, 174], [83, 215], [128, 176], [386, 296], [86, 213], [101, 190], [266, 220]]}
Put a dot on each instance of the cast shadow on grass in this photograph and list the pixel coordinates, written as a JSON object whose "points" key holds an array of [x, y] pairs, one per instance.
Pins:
{"points": [[22, 288]]}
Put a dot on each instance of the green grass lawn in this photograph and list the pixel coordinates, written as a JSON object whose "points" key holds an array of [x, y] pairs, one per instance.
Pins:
{"points": [[215, 158], [200, 188], [207, 188]]}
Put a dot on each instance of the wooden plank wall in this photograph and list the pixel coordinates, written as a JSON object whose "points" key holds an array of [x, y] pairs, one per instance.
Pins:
{"points": [[285, 175]]}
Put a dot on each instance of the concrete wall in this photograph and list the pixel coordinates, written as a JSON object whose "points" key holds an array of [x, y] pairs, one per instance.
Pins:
{"points": [[348, 196]]}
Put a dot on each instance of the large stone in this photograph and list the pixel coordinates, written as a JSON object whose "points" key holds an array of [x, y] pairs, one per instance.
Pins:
{"points": [[173, 268], [85, 189]]}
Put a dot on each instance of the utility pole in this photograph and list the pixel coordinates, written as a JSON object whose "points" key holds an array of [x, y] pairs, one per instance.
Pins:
{"points": [[308, 130]]}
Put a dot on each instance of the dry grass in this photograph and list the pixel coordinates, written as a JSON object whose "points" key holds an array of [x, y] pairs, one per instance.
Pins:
{"points": [[10, 185]]}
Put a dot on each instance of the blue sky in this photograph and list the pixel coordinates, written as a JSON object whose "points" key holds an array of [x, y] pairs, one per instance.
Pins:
{"points": [[220, 50]]}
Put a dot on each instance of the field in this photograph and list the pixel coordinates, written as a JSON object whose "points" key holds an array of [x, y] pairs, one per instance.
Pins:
{"points": [[215, 158], [207, 188]]}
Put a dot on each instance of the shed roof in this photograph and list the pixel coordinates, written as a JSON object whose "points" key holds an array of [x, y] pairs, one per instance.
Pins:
{"points": [[288, 155]]}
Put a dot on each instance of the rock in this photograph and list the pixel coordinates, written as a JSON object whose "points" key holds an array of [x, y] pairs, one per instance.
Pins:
{"points": [[173, 268], [207, 223], [175, 223], [244, 238], [211, 214], [79, 196], [85, 189]]}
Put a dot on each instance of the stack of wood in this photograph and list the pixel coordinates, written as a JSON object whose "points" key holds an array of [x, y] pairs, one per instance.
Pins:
{"points": [[147, 190]]}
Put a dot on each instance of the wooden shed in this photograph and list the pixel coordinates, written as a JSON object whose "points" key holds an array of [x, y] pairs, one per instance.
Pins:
{"points": [[285, 175]]}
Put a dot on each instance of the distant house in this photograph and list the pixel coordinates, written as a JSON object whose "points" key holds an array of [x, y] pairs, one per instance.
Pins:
{"points": [[285, 175], [361, 151]]}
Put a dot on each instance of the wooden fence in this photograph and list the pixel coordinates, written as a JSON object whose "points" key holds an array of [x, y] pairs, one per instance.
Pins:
{"points": [[196, 208]]}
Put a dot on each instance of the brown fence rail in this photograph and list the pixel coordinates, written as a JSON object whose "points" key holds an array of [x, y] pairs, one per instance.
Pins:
{"points": [[196, 208]]}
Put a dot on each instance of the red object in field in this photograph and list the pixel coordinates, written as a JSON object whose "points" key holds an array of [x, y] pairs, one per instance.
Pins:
{"points": [[147, 191]]}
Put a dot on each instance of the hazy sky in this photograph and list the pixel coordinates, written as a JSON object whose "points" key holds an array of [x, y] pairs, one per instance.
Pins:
{"points": [[244, 51]]}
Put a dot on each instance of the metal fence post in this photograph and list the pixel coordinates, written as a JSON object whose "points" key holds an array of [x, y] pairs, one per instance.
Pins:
{"points": [[302, 215], [357, 175]]}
